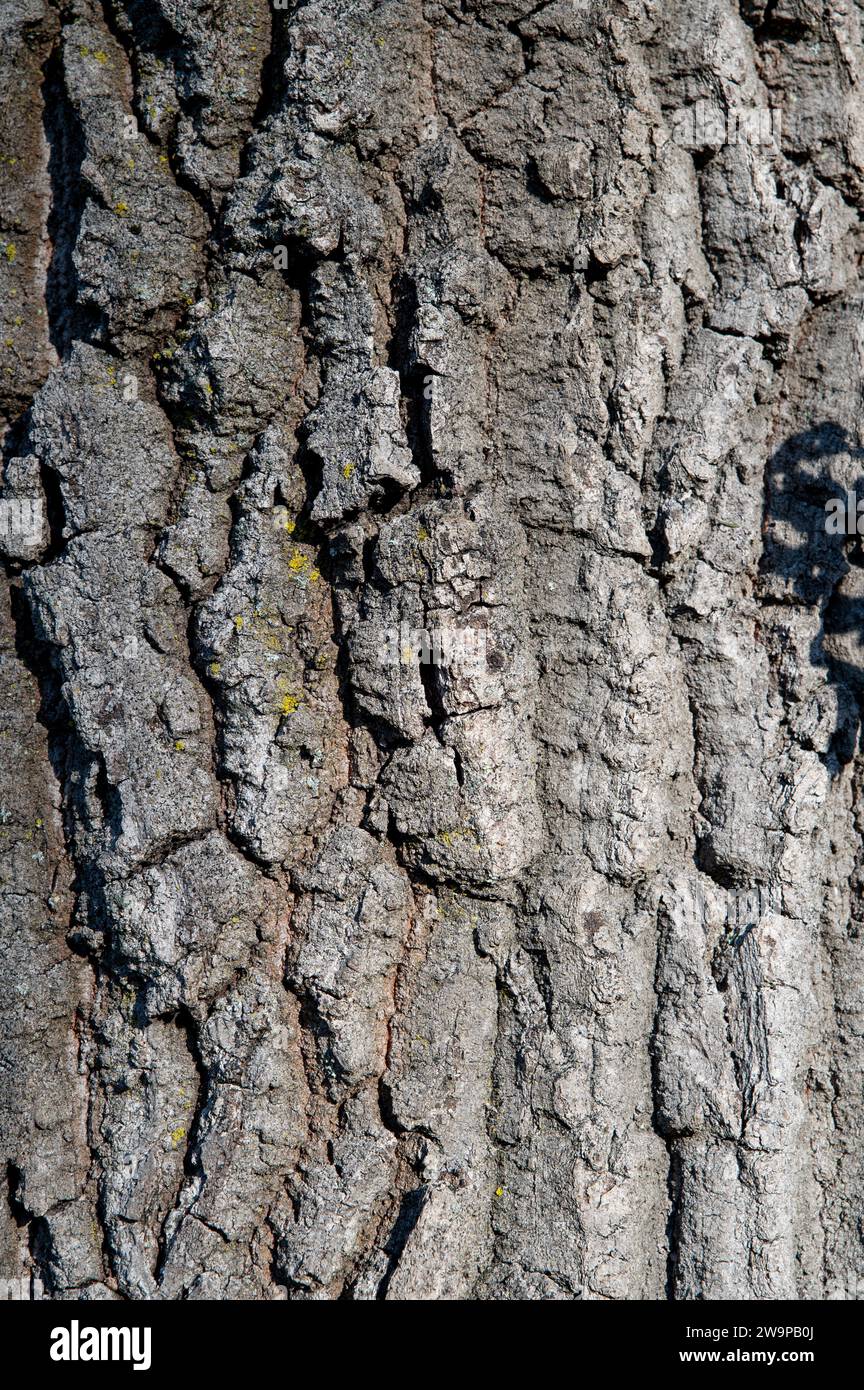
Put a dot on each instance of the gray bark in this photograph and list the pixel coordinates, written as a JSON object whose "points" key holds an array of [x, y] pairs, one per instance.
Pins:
{"points": [[333, 972]]}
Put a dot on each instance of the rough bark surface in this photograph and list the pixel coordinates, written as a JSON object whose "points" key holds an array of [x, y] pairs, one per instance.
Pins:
{"points": [[331, 977]]}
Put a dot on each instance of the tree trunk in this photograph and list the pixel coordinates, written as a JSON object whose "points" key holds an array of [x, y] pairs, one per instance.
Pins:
{"points": [[431, 803]]}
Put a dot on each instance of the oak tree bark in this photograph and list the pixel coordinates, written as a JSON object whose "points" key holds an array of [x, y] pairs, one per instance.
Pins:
{"points": [[431, 788]]}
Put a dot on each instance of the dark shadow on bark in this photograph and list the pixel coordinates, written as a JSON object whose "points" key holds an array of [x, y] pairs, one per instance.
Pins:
{"points": [[67, 320], [802, 478], [410, 1208]]}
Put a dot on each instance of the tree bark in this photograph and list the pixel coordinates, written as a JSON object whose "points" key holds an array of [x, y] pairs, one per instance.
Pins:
{"points": [[432, 798]]}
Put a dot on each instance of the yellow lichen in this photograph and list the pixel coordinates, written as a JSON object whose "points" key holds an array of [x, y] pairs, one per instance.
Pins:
{"points": [[101, 56], [459, 832], [177, 1135], [290, 704], [121, 208], [11, 251], [238, 622], [347, 470], [180, 745]]}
